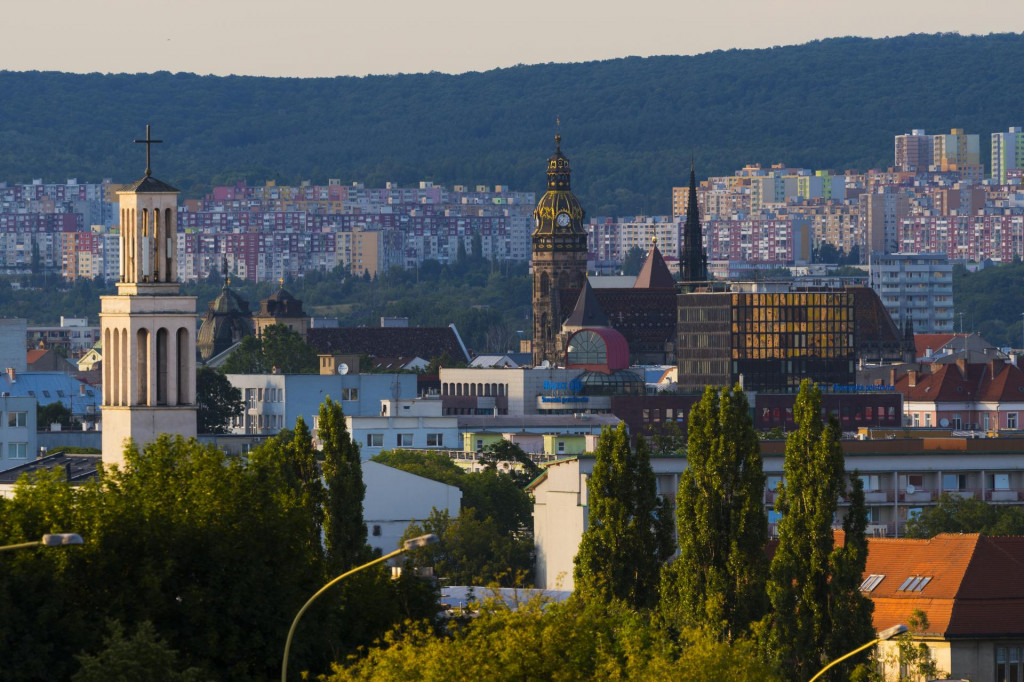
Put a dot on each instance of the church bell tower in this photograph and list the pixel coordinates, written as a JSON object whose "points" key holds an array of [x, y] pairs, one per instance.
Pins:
{"points": [[559, 256], [148, 328]]}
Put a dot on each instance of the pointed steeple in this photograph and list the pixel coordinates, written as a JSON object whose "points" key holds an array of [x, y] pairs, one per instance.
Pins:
{"points": [[588, 312], [655, 273], [695, 261]]}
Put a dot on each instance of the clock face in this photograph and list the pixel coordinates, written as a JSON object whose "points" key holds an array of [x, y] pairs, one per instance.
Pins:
{"points": [[562, 219]]}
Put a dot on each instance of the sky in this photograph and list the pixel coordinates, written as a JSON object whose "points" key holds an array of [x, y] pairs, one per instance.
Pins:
{"points": [[354, 38]]}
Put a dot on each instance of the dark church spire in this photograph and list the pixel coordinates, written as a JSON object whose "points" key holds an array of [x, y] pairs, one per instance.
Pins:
{"points": [[695, 260]]}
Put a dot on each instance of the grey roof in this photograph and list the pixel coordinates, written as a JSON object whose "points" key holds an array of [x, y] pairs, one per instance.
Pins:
{"points": [[79, 468], [149, 184]]}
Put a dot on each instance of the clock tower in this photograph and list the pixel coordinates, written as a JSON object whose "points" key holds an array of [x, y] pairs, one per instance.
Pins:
{"points": [[559, 256]]}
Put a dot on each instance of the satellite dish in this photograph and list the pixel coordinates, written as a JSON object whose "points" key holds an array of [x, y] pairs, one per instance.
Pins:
{"points": [[943, 422], [545, 364], [343, 369], [911, 489]]}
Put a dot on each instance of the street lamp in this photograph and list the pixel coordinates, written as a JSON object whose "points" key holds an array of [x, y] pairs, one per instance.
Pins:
{"points": [[49, 540], [414, 543], [888, 633]]}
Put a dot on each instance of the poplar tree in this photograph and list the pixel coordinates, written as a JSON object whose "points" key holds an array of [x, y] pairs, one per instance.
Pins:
{"points": [[344, 530], [806, 606], [629, 529], [718, 580]]}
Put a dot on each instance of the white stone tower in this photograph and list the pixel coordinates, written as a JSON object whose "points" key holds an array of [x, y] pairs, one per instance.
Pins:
{"points": [[148, 328]]}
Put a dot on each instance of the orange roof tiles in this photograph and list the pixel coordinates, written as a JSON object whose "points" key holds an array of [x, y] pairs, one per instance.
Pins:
{"points": [[976, 587]]}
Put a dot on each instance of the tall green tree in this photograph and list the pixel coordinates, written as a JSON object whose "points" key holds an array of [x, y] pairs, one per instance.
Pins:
{"points": [[806, 609], [718, 581], [217, 401], [629, 528], [344, 529], [284, 349]]}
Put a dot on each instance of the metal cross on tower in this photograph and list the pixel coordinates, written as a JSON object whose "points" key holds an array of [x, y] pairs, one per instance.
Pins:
{"points": [[149, 141]]}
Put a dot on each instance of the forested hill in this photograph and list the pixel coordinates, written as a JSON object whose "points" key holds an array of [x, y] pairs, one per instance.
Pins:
{"points": [[629, 125]]}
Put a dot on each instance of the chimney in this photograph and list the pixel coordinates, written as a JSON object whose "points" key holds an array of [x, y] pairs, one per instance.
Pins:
{"points": [[912, 378], [892, 376], [12, 375]]}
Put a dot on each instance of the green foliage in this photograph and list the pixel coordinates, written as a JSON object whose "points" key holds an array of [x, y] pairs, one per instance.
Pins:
{"points": [[53, 413], [575, 640], [915, 658], [143, 657], [523, 471], [807, 626], [632, 261], [494, 495], [280, 350], [626, 142], [997, 318], [955, 514], [473, 551], [436, 466], [217, 401], [666, 438], [718, 581], [284, 349], [344, 529], [629, 529]]}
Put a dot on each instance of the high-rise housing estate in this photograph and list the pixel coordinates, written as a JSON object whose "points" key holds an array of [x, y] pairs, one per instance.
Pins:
{"points": [[917, 288], [881, 213], [1007, 152], [956, 151], [914, 151]]}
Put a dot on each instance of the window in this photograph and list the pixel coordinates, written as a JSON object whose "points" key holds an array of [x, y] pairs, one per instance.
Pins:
{"points": [[917, 419], [561, 446], [350, 394], [954, 481], [17, 450], [928, 419], [1009, 663], [985, 421], [914, 583], [17, 419], [957, 422], [871, 582], [403, 440], [1000, 481], [435, 440], [479, 443], [870, 482], [375, 440], [1011, 420]]}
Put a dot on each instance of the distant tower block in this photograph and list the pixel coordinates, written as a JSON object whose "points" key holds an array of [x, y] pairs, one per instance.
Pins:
{"points": [[148, 328]]}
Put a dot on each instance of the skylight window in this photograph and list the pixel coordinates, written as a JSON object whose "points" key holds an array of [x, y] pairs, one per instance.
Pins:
{"points": [[914, 583], [871, 582]]}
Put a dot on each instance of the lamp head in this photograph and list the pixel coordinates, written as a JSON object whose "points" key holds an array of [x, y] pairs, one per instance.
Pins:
{"points": [[421, 541]]}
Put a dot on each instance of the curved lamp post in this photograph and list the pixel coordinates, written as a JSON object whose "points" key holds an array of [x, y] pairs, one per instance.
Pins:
{"points": [[888, 633], [415, 543], [49, 540]]}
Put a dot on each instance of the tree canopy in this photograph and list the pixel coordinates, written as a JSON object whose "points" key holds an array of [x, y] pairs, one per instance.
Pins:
{"points": [[629, 528], [955, 514], [718, 580]]}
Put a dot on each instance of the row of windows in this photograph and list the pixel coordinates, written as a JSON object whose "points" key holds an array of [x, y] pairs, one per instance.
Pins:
{"points": [[404, 440], [471, 389]]}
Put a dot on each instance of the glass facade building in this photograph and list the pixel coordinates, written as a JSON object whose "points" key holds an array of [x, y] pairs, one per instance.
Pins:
{"points": [[772, 340]]}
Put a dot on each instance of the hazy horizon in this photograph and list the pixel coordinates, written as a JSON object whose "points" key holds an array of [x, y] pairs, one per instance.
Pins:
{"points": [[325, 38]]}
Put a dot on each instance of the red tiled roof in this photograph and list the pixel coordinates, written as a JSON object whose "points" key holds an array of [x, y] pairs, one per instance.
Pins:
{"points": [[33, 356], [922, 342], [994, 381], [976, 587]]}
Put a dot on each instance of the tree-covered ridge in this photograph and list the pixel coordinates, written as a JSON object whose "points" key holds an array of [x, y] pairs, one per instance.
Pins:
{"points": [[629, 124]]}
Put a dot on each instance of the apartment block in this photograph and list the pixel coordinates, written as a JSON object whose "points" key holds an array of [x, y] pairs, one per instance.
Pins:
{"points": [[915, 287]]}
